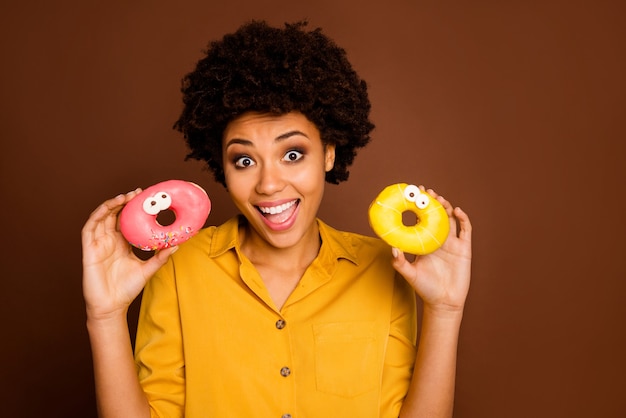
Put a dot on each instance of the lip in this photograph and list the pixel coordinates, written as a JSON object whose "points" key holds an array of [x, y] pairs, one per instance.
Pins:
{"points": [[274, 203], [288, 223]]}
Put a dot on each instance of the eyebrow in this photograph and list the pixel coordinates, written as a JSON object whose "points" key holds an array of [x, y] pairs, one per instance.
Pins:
{"points": [[279, 138]]}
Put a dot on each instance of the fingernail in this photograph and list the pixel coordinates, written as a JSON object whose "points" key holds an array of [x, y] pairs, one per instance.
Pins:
{"points": [[395, 252]]}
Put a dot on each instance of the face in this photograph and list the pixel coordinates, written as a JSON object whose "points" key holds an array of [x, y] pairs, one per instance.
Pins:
{"points": [[275, 170]]}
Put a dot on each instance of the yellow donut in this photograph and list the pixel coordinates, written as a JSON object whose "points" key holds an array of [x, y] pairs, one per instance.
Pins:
{"points": [[385, 216]]}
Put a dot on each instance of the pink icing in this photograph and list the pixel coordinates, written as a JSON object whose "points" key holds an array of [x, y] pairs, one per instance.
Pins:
{"points": [[189, 202]]}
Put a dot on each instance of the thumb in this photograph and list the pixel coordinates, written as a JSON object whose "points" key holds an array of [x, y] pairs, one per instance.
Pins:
{"points": [[400, 263], [158, 260]]}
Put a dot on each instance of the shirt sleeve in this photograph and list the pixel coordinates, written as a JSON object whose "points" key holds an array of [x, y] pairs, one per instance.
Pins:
{"points": [[158, 348], [401, 349]]}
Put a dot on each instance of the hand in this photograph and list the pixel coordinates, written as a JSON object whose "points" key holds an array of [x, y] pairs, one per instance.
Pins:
{"points": [[442, 278], [112, 275]]}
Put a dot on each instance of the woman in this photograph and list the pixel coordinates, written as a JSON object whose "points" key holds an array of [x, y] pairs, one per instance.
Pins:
{"points": [[274, 313]]}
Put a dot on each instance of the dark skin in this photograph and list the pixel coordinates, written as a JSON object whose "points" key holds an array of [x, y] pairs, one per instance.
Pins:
{"points": [[113, 277]]}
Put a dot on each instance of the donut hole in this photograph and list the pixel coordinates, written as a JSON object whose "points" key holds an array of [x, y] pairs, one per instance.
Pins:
{"points": [[166, 217], [409, 218]]}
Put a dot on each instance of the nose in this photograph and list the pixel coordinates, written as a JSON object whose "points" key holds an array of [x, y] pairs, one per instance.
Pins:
{"points": [[270, 180]]}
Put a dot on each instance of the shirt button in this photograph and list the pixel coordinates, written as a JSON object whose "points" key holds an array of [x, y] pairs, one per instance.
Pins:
{"points": [[280, 324], [285, 371]]}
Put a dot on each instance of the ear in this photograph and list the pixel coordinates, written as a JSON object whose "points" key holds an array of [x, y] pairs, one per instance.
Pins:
{"points": [[329, 157]]}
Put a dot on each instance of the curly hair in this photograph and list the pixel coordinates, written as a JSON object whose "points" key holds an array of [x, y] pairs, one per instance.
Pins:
{"points": [[275, 70]]}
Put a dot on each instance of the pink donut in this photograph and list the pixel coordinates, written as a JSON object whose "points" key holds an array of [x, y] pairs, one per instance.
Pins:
{"points": [[189, 203]]}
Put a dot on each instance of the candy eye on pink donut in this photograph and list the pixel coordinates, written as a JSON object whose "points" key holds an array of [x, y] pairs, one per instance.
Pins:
{"points": [[157, 203]]}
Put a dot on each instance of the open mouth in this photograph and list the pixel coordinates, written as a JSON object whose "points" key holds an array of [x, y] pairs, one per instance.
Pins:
{"points": [[280, 213]]}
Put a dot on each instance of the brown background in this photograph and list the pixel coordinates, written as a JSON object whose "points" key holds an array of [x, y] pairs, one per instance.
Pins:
{"points": [[513, 110]]}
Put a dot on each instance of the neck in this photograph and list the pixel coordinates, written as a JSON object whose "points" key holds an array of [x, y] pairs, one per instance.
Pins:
{"points": [[280, 268], [292, 258]]}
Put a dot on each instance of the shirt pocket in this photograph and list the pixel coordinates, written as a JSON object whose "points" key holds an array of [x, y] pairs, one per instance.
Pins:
{"points": [[347, 358]]}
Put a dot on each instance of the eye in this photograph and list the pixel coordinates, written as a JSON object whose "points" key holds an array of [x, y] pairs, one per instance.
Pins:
{"points": [[293, 155], [243, 162], [151, 206], [411, 193], [422, 201], [164, 200], [155, 204]]}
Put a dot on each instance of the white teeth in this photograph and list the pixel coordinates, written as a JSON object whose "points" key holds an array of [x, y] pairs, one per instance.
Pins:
{"points": [[277, 209]]}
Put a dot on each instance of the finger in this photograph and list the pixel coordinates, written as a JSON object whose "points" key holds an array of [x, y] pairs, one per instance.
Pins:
{"points": [[115, 206], [453, 225], [465, 225], [108, 223], [111, 225], [400, 263], [113, 221], [93, 225], [447, 206], [158, 260], [444, 202], [104, 217]]}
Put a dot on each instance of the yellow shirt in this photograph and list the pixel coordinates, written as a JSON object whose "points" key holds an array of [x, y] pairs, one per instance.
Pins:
{"points": [[211, 343]]}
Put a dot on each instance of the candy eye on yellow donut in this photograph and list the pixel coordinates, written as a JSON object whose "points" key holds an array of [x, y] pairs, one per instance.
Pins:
{"points": [[386, 218], [422, 201], [411, 192]]}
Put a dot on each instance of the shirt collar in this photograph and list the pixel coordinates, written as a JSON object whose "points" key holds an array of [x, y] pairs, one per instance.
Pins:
{"points": [[338, 244], [335, 244], [225, 237]]}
